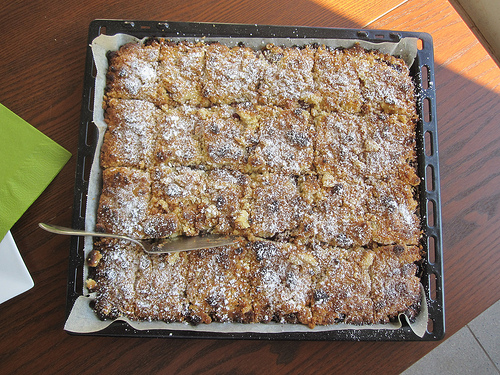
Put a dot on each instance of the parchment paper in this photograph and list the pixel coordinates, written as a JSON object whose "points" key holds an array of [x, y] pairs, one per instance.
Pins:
{"points": [[82, 318]]}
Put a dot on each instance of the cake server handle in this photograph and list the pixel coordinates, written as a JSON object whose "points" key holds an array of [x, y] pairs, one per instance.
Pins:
{"points": [[153, 246]]}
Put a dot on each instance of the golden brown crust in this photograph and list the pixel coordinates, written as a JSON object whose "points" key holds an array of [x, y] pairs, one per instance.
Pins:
{"points": [[94, 258], [306, 153]]}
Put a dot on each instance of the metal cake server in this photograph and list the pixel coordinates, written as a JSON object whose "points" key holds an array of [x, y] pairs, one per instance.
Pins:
{"points": [[154, 246]]}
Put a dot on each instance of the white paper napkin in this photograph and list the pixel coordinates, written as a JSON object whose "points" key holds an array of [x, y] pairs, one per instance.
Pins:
{"points": [[14, 276]]}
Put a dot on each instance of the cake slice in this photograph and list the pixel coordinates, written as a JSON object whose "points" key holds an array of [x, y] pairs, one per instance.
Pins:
{"points": [[232, 75], [392, 211], [284, 141], [124, 202], [386, 85], [276, 206], [116, 277], [180, 72], [281, 279], [288, 78], [337, 81], [224, 137], [133, 73], [395, 282], [336, 211], [342, 287], [131, 134], [177, 143], [218, 286], [160, 287]]}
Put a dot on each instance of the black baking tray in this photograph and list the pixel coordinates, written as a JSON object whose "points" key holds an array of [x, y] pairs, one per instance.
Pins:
{"points": [[422, 72]]}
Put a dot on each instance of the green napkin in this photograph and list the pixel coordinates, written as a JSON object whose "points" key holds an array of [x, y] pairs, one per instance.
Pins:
{"points": [[29, 161]]}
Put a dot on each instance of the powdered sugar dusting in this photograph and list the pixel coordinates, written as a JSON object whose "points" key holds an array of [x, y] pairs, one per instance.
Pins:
{"points": [[309, 147]]}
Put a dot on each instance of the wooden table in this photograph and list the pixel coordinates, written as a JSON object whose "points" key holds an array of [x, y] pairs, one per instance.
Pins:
{"points": [[42, 65]]}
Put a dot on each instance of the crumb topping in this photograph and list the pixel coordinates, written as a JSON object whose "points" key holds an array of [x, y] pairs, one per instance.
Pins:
{"points": [[308, 154]]}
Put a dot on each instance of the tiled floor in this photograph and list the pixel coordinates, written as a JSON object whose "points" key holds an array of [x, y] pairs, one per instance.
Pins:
{"points": [[475, 349]]}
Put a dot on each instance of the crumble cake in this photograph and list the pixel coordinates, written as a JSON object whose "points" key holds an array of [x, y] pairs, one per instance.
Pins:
{"points": [[307, 154]]}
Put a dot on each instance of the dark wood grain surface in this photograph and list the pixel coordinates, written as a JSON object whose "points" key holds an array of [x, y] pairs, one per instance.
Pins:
{"points": [[41, 69]]}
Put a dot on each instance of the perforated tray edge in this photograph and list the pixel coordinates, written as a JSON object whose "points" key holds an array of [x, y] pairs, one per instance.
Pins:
{"points": [[428, 170]]}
